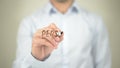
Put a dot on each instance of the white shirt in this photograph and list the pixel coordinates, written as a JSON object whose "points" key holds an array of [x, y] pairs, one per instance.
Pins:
{"points": [[85, 43]]}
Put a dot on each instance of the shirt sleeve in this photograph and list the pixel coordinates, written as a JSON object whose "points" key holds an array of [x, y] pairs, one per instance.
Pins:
{"points": [[101, 50], [24, 59]]}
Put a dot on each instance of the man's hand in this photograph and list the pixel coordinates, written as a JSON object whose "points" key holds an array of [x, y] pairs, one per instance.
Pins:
{"points": [[45, 41]]}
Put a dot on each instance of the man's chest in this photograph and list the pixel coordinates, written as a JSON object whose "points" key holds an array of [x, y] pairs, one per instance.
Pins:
{"points": [[77, 33], [77, 38]]}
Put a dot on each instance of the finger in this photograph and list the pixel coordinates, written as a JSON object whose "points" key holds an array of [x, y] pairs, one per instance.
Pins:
{"points": [[43, 51], [51, 40], [48, 36], [41, 42], [59, 38]]}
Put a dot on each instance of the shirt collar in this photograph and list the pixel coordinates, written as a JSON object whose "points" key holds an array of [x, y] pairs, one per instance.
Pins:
{"points": [[50, 9]]}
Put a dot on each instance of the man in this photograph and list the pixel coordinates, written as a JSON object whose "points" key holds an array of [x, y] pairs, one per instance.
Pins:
{"points": [[62, 35]]}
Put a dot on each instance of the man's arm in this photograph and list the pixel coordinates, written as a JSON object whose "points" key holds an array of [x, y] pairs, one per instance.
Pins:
{"points": [[101, 50], [33, 50]]}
